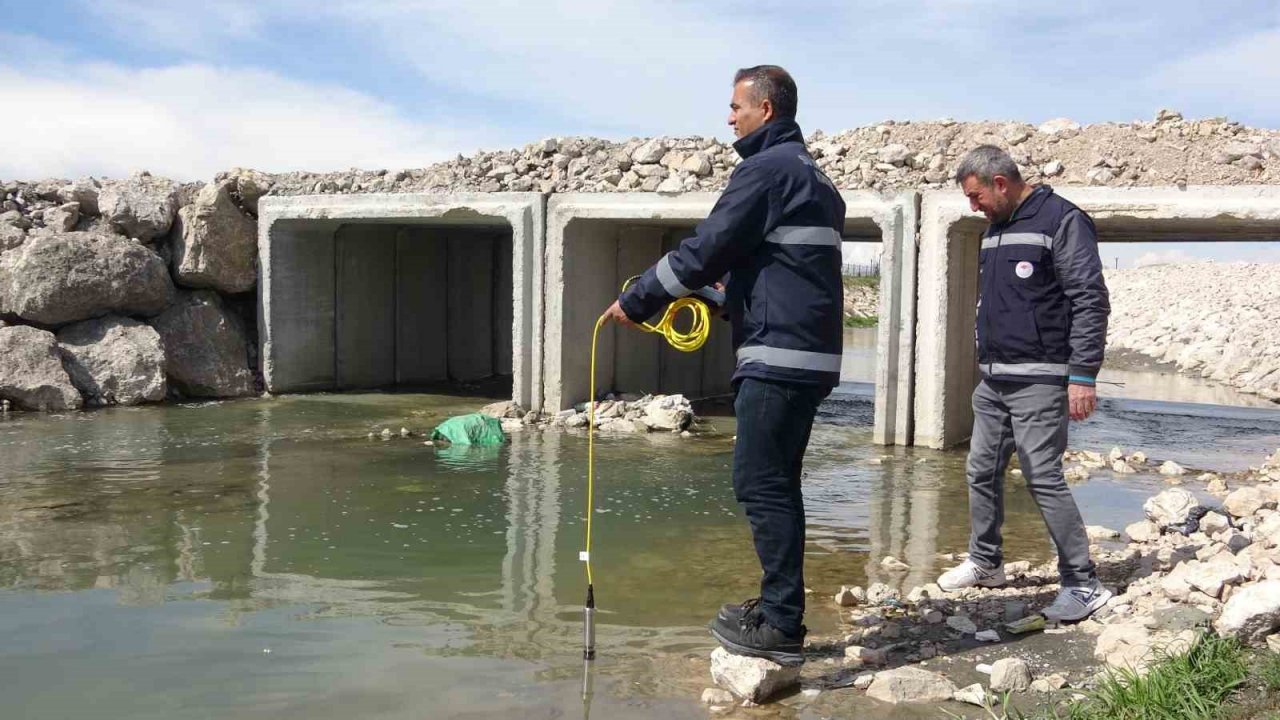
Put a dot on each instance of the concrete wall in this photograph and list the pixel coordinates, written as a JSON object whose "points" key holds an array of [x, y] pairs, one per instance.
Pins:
{"points": [[595, 241], [365, 305], [586, 269], [379, 290], [893, 220], [946, 368]]}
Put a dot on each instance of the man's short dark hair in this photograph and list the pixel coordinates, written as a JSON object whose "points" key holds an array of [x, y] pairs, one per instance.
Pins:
{"points": [[772, 83], [985, 162]]}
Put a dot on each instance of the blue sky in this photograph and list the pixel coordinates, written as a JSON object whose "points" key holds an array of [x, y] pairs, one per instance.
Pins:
{"points": [[186, 89]]}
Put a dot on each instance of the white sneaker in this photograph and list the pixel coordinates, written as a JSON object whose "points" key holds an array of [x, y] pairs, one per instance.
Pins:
{"points": [[968, 574], [1077, 603]]}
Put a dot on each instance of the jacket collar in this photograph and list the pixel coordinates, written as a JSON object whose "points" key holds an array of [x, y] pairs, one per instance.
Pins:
{"points": [[1031, 205], [768, 135]]}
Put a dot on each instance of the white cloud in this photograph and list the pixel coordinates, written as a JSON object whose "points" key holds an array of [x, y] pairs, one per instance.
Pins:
{"points": [[1241, 78], [618, 67], [191, 121], [618, 63]]}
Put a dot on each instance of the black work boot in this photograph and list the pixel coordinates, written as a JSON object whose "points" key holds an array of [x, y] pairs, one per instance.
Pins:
{"points": [[733, 612], [750, 634]]}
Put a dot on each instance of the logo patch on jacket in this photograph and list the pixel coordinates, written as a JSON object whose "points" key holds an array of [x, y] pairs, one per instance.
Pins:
{"points": [[1024, 269]]}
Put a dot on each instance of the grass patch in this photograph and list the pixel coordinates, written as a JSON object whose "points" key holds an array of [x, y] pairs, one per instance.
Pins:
{"points": [[1193, 686], [871, 281], [861, 322], [1197, 685]]}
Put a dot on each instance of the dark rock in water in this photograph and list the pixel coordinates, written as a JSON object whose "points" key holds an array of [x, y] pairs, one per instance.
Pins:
{"points": [[114, 360], [204, 347], [31, 372]]}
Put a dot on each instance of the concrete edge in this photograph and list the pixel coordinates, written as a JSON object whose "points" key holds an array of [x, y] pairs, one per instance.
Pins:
{"points": [[524, 212]]}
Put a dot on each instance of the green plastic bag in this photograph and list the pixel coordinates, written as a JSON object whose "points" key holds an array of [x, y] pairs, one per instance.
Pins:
{"points": [[473, 429]]}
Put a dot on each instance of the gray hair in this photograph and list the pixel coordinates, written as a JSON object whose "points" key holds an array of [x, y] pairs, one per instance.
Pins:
{"points": [[772, 83], [985, 162]]}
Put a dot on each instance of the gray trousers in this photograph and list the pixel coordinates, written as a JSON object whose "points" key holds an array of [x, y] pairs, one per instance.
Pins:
{"points": [[1033, 419]]}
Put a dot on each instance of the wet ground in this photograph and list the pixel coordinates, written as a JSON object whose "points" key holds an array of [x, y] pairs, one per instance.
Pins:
{"points": [[263, 558]]}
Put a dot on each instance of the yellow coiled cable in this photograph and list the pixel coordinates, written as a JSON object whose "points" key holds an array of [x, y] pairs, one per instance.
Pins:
{"points": [[685, 341]]}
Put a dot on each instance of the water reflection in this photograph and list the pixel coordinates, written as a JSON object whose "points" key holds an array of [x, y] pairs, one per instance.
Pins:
{"points": [[1156, 384], [859, 361], [168, 549]]}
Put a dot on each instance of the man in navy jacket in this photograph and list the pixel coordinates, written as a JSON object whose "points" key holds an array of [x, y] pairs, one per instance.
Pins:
{"points": [[776, 232], [1042, 330]]}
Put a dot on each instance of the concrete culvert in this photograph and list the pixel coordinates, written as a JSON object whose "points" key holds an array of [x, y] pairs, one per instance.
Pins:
{"points": [[399, 291]]}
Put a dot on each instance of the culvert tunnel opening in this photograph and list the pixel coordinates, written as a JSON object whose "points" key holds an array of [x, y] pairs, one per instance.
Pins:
{"points": [[397, 306], [600, 255]]}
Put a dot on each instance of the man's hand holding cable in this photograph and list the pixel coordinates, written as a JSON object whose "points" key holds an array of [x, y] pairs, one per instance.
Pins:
{"points": [[1081, 400], [616, 314]]}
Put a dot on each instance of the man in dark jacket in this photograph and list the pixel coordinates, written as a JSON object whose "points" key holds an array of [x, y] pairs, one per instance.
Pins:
{"points": [[1042, 329], [776, 231]]}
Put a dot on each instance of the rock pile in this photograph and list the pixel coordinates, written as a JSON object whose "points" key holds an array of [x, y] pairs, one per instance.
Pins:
{"points": [[615, 415], [1216, 320], [92, 291], [1169, 150], [861, 300], [1186, 568]]}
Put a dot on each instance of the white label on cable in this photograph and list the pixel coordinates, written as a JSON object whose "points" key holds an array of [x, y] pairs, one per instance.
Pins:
{"points": [[584, 556]]}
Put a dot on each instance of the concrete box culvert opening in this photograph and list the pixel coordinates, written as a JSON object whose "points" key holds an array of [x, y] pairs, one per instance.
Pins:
{"points": [[385, 291], [948, 277], [596, 242]]}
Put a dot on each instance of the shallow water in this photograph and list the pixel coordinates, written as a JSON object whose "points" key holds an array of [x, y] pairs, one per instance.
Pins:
{"points": [[263, 558]]}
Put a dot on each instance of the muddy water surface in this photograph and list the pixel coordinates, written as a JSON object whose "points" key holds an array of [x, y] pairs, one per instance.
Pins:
{"points": [[263, 558]]}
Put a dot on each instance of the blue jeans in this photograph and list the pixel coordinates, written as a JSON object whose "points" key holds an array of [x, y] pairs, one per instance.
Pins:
{"points": [[774, 421]]}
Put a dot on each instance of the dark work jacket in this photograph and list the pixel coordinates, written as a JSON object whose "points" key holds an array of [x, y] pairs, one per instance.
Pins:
{"points": [[1042, 301], [776, 231]]}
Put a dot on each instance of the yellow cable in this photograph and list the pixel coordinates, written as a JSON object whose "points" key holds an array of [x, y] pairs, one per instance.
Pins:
{"points": [[591, 443], [685, 341]]}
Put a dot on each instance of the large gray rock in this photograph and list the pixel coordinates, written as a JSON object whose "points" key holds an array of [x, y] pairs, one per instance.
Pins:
{"points": [[910, 685], [1010, 674], [217, 245], [11, 237], [204, 347], [1143, 531], [31, 372], [56, 279], [754, 679], [62, 218], [669, 412], [114, 360], [1248, 500], [1134, 646], [248, 186], [83, 191], [141, 207], [1252, 613], [13, 218], [1172, 508], [1209, 576]]}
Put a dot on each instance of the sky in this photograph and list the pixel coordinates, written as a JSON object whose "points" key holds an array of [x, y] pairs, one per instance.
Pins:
{"points": [[185, 89]]}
